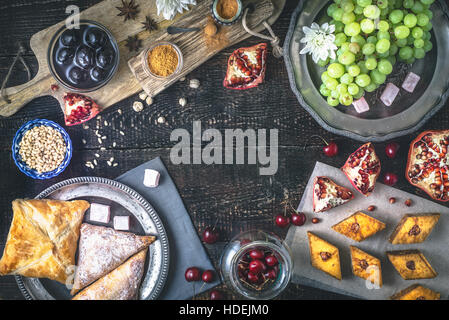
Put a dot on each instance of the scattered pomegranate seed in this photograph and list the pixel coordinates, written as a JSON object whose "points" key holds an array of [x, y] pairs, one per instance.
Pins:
{"points": [[192, 274], [210, 235], [298, 219], [216, 295], [208, 276], [371, 208], [315, 220], [392, 200], [54, 87], [282, 221], [391, 150], [408, 202], [390, 179]]}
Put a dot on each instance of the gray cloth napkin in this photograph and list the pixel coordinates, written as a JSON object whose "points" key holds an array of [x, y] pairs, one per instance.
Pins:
{"points": [[186, 249]]}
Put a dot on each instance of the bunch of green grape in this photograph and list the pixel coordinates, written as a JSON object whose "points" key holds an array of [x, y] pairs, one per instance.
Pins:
{"points": [[371, 35]]}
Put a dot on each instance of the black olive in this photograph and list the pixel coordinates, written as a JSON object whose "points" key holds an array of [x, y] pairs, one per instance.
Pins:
{"points": [[84, 57], [104, 58], [95, 38], [65, 55], [97, 74], [77, 75], [69, 38]]}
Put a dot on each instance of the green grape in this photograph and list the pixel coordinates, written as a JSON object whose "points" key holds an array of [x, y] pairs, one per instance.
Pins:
{"points": [[401, 32], [354, 48], [331, 84], [323, 63], [331, 9], [353, 70], [371, 63], [383, 46], [418, 7], [392, 60], [382, 4], [427, 2], [419, 53], [352, 29], [338, 14], [378, 77], [347, 5], [340, 38], [422, 20], [427, 27], [324, 90], [368, 49], [348, 17], [385, 67], [385, 55], [410, 20], [406, 53], [340, 52], [364, 3], [346, 99], [410, 40], [401, 43], [393, 50], [428, 46], [332, 102], [427, 35], [325, 76], [408, 4], [335, 70], [363, 80], [372, 12], [383, 35], [335, 94], [411, 60], [360, 94], [359, 39], [363, 69], [358, 10], [371, 87], [372, 39], [339, 26], [429, 14], [345, 46], [396, 16], [353, 89], [346, 59], [383, 26], [342, 88], [417, 33], [418, 43], [347, 79], [367, 26]]}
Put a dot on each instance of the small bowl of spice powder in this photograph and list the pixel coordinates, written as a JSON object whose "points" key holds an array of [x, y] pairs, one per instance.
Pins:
{"points": [[227, 12], [163, 60], [41, 149]]}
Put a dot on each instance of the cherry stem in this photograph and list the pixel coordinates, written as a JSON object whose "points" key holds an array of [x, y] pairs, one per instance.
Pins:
{"points": [[316, 136]]}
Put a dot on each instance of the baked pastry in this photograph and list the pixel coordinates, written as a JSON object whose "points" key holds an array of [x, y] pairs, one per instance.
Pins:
{"points": [[411, 264], [414, 228], [43, 238], [359, 226], [416, 292], [327, 194], [103, 249], [366, 266], [324, 256], [120, 284]]}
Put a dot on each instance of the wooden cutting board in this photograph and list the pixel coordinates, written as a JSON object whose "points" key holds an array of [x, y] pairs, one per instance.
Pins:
{"points": [[124, 83]]}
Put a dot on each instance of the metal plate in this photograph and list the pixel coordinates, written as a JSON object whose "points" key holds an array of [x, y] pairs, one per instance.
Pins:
{"points": [[123, 201], [409, 111]]}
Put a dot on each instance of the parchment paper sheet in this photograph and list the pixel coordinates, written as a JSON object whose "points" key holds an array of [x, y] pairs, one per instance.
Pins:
{"points": [[435, 248]]}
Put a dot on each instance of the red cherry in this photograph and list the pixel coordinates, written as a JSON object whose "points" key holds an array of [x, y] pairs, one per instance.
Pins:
{"points": [[253, 277], [271, 260], [256, 266], [210, 235], [298, 219], [192, 274], [282, 221], [256, 254], [331, 149], [208, 276], [390, 179], [216, 295], [391, 150], [271, 274]]}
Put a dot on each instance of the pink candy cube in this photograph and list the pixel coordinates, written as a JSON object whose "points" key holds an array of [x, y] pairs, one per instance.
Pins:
{"points": [[121, 223], [361, 105], [410, 82], [389, 95], [100, 213]]}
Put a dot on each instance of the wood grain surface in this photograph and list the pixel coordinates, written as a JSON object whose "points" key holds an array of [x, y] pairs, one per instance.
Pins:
{"points": [[234, 196]]}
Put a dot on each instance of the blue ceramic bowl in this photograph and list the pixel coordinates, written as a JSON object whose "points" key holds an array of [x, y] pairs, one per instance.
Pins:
{"points": [[31, 172]]}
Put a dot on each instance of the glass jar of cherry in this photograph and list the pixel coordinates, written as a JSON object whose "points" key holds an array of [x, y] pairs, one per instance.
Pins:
{"points": [[257, 265]]}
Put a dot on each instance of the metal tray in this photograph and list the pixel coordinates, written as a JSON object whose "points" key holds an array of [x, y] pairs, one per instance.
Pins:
{"points": [[409, 111], [123, 201]]}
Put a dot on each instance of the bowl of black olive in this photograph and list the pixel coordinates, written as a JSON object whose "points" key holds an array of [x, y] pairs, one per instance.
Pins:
{"points": [[83, 59]]}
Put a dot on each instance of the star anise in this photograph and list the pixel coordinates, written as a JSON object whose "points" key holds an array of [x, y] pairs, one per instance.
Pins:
{"points": [[149, 24], [129, 10], [133, 43]]}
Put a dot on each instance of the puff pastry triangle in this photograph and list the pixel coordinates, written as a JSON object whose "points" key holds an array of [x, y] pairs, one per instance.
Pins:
{"points": [[103, 249], [43, 238], [120, 284]]}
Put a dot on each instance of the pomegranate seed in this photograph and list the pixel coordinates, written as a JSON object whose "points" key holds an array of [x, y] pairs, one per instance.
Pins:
{"points": [[315, 220], [392, 200], [408, 202], [391, 150], [371, 208], [390, 179]]}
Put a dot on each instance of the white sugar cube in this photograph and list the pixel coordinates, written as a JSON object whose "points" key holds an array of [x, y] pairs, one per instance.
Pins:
{"points": [[410, 82], [121, 223], [361, 105], [389, 95], [100, 213], [151, 178]]}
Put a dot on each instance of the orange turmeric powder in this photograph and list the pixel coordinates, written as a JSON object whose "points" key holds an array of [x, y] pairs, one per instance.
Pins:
{"points": [[227, 9], [163, 60]]}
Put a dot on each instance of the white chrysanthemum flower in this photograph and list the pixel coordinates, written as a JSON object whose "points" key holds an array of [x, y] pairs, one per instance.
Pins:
{"points": [[319, 41], [169, 8]]}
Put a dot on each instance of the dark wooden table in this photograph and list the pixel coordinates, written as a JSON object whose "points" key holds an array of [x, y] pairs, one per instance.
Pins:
{"points": [[234, 196]]}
